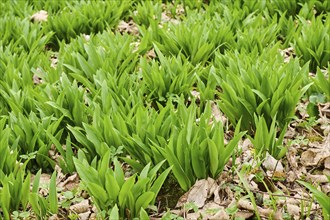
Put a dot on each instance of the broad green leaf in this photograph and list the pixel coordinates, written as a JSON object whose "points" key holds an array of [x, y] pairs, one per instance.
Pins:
{"points": [[157, 185], [98, 192], [111, 187], [53, 204], [125, 190], [144, 200], [321, 197], [143, 215], [114, 214], [214, 157]]}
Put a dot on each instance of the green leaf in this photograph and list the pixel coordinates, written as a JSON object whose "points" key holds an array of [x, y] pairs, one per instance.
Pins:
{"points": [[177, 169], [112, 187], [87, 173], [125, 190], [114, 214], [53, 204], [144, 200], [143, 215], [35, 187], [118, 173], [157, 185], [321, 197], [98, 192], [214, 158]]}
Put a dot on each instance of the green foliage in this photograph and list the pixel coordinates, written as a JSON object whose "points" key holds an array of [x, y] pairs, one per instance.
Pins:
{"points": [[170, 76], [22, 35], [14, 191], [40, 205], [290, 8], [259, 84], [322, 82], [196, 39], [85, 18], [312, 42], [108, 52], [78, 92], [321, 198], [259, 31], [265, 139], [29, 134], [120, 198], [147, 12], [51, 6], [192, 147], [8, 153], [197, 149]]}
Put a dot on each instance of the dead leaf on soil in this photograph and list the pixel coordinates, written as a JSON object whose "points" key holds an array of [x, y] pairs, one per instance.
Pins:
{"points": [[54, 217], [287, 54], [221, 215], [327, 163], [317, 178], [271, 164], [87, 37], [40, 16], [317, 154], [243, 215], [246, 204], [324, 110], [36, 79], [214, 211], [293, 210], [54, 62], [151, 54], [84, 215], [59, 175], [198, 194], [80, 207], [166, 19], [128, 27], [326, 188], [70, 183], [216, 113]]}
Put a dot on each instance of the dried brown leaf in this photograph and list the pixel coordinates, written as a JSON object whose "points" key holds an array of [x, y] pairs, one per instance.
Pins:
{"points": [[293, 210], [199, 192], [246, 204], [72, 182], [151, 54], [314, 156], [243, 215], [271, 164], [216, 113], [80, 207], [36, 79], [317, 178], [327, 163], [84, 215], [128, 27], [40, 16]]}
